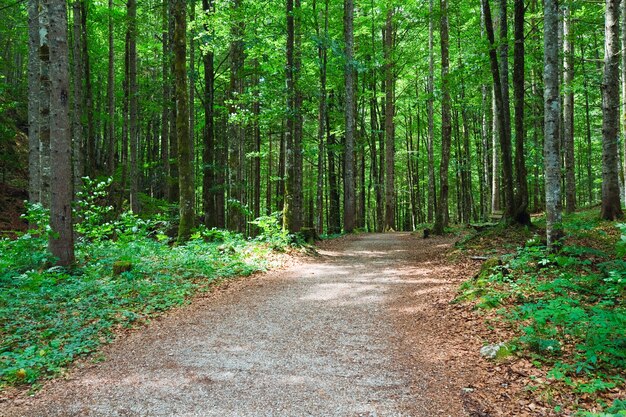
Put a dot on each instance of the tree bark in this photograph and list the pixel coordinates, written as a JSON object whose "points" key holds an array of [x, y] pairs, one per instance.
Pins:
{"points": [[521, 215], [110, 157], [185, 173], [61, 241], [432, 197], [349, 209], [552, 159], [34, 166], [133, 106], [441, 215], [208, 150], [611, 206], [165, 108], [568, 113], [502, 113], [390, 149], [44, 101]]}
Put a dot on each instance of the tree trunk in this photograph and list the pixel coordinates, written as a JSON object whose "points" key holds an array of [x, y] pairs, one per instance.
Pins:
{"points": [[349, 208], [611, 206], [334, 214], [78, 105], [208, 150], [552, 159], [441, 215], [521, 215], [568, 113], [432, 198], [44, 101], [133, 106], [34, 167], [236, 214], [502, 113], [321, 131], [185, 170], [165, 109], [390, 149], [623, 5], [61, 241], [89, 167], [110, 148]]}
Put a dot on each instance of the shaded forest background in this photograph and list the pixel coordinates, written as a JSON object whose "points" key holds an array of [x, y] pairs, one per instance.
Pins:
{"points": [[372, 115]]}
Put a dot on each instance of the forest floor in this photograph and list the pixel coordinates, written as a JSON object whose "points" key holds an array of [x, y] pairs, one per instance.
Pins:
{"points": [[367, 327]]}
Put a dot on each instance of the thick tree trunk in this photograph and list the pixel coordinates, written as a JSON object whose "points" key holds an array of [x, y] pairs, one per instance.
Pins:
{"points": [[568, 113], [623, 33], [611, 206], [552, 159], [390, 149], [521, 215], [349, 206], [34, 166], [61, 241], [185, 173], [441, 215]]}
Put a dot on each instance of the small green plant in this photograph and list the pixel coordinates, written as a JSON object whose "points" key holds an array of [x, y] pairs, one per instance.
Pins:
{"points": [[272, 231]]}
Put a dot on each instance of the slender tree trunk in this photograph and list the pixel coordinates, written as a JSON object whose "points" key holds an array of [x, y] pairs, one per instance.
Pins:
{"points": [[568, 113], [521, 205], [172, 182], [334, 214], [552, 159], [208, 150], [192, 88], [611, 206], [61, 241], [165, 109], [323, 60], [289, 210], [349, 207], [185, 173], [34, 89], [441, 215], [44, 100], [78, 107], [111, 98], [89, 168], [432, 197], [256, 161], [133, 106], [502, 114], [390, 149], [495, 156], [236, 214]]}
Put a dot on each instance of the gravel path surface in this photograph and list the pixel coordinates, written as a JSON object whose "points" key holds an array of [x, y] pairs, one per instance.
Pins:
{"points": [[321, 338]]}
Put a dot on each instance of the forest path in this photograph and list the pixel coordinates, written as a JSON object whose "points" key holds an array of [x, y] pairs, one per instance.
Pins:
{"points": [[360, 330]]}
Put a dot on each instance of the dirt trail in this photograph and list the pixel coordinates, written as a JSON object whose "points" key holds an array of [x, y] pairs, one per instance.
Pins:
{"points": [[361, 330]]}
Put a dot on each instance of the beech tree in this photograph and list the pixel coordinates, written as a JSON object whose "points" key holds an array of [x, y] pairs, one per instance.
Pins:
{"points": [[61, 242], [611, 205]]}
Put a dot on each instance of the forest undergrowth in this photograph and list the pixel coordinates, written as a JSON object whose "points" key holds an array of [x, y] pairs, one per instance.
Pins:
{"points": [[563, 312], [128, 270]]}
